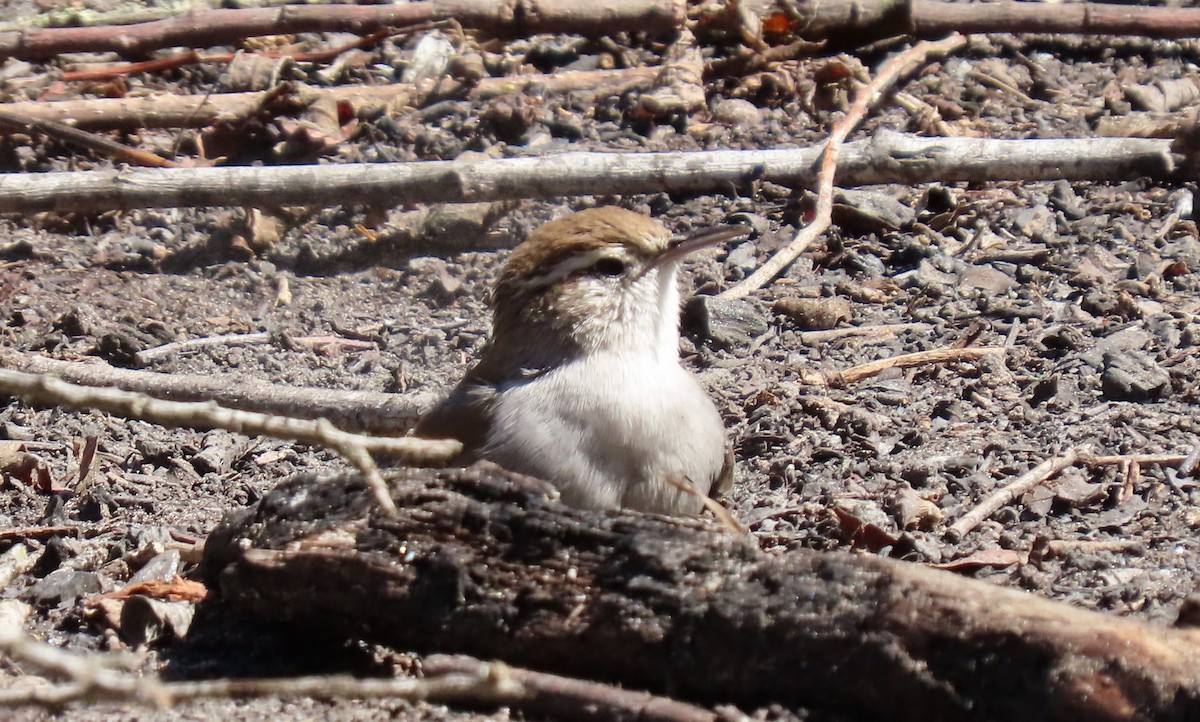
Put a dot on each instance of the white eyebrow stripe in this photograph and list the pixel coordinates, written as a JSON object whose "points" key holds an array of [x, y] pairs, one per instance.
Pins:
{"points": [[566, 267]]}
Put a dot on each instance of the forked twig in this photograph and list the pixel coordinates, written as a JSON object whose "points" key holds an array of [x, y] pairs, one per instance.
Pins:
{"points": [[888, 74], [355, 448], [1023, 483]]}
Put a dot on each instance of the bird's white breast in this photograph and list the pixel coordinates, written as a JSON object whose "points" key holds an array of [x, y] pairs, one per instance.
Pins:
{"points": [[610, 429]]}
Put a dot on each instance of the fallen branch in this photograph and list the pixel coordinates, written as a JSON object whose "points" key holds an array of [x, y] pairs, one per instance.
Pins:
{"points": [[891, 71], [208, 28], [355, 448], [366, 411], [90, 678], [1022, 484], [863, 21], [61, 131], [191, 57], [855, 374], [481, 562], [198, 111], [886, 158]]}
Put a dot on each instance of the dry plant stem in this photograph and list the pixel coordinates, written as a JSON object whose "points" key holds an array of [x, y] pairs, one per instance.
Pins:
{"points": [[366, 411], [229, 26], [63, 132], [886, 158], [167, 350], [191, 57], [888, 74], [550, 696], [881, 331], [197, 111], [1147, 459], [90, 678], [855, 374], [1023, 483], [208, 415]]}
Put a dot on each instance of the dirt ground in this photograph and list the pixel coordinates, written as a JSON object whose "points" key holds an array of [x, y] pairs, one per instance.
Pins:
{"points": [[1092, 288]]}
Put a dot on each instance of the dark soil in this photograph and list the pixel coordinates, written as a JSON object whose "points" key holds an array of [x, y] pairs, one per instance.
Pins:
{"points": [[1093, 288]]}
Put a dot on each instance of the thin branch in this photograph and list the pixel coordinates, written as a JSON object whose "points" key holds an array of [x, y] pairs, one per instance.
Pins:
{"points": [[354, 448], [163, 110], [92, 678], [68, 134], [881, 331], [889, 157], [191, 57], [1023, 483], [555, 697], [891, 71], [855, 374], [1147, 459], [229, 26], [366, 411]]}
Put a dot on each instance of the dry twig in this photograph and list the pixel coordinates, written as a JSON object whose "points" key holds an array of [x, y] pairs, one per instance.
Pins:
{"points": [[196, 111], [1023, 483], [888, 74], [93, 678], [366, 411], [229, 26], [354, 448], [903, 361], [117, 151]]}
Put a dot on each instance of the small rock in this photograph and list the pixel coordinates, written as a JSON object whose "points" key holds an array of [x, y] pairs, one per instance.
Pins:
{"points": [[733, 111], [871, 211], [743, 257], [1064, 199], [724, 323], [162, 568], [1073, 491], [1131, 375], [62, 587], [815, 314], [986, 278]]}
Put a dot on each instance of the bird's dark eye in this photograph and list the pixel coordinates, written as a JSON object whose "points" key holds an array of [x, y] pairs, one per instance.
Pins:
{"points": [[609, 267]]}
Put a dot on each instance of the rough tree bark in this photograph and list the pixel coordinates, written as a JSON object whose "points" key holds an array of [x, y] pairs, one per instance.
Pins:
{"points": [[486, 563]]}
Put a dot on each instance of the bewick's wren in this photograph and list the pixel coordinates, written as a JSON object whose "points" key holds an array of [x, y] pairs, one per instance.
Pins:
{"points": [[581, 383]]}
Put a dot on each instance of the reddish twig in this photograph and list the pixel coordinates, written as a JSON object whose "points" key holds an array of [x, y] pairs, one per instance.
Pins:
{"points": [[888, 74], [210, 28], [61, 131], [191, 57]]}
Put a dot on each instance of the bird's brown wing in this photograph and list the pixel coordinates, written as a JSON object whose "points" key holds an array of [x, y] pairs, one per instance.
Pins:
{"points": [[466, 415], [724, 481]]}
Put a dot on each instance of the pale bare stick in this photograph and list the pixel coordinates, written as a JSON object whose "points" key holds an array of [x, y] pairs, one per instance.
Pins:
{"points": [[241, 339], [886, 157], [1023, 483], [904, 361], [881, 331], [720, 512], [93, 678], [1146, 459], [351, 410], [888, 74], [354, 448]]}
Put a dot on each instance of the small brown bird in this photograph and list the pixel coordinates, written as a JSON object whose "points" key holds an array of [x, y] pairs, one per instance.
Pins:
{"points": [[580, 383]]}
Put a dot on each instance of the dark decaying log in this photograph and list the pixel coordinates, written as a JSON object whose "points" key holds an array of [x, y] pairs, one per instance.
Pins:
{"points": [[484, 563]]}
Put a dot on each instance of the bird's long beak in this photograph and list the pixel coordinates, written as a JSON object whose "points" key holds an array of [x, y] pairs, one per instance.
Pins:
{"points": [[681, 246]]}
